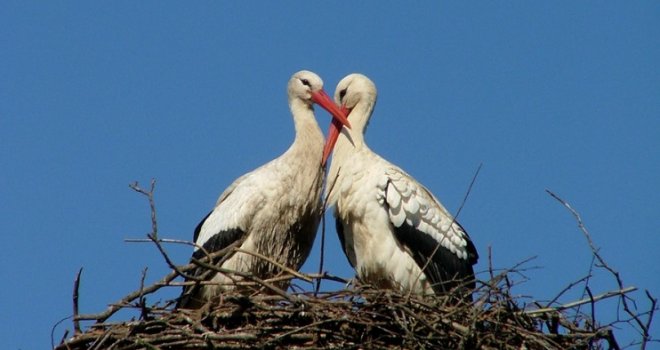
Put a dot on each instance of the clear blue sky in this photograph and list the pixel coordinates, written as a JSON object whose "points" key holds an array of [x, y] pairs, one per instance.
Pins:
{"points": [[93, 96]]}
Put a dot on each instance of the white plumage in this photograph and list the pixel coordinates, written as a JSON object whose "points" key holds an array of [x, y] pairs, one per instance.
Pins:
{"points": [[275, 208], [390, 226]]}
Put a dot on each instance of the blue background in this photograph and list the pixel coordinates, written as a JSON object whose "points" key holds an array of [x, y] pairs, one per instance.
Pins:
{"points": [[547, 95]]}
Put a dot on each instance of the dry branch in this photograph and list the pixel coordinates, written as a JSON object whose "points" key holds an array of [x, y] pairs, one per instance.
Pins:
{"points": [[635, 316], [451, 224], [76, 289]]}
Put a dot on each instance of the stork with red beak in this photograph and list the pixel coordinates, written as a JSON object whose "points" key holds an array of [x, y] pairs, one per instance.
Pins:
{"points": [[275, 209], [394, 232]]}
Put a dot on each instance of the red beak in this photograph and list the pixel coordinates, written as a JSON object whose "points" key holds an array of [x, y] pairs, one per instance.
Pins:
{"points": [[333, 135], [339, 119]]}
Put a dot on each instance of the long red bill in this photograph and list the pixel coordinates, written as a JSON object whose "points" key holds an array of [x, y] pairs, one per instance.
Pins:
{"points": [[333, 135], [339, 118]]}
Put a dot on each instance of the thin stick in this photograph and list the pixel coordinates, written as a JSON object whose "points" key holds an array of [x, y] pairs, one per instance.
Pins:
{"points": [[591, 325], [102, 316], [453, 220], [164, 282], [580, 302], [469, 190], [327, 276], [282, 267], [248, 276], [52, 332], [161, 240], [317, 288], [566, 289], [76, 287], [142, 301], [603, 264], [153, 236], [490, 261], [653, 308], [152, 204]]}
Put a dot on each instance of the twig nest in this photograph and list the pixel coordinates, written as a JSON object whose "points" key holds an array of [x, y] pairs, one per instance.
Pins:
{"points": [[357, 318]]}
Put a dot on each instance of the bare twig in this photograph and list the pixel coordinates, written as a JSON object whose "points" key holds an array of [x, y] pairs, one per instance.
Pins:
{"points": [[652, 309], [469, 190], [611, 340], [152, 204], [317, 287], [52, 331], [592, 302], [602, 263], [76, 288], [490, 261], [280, 266], [325, 206], [247, 276], [161, 240], [102, 316], [590, 273], [153, 236], [581, 301], [165, 281], [566, 289], [142, 301], [327, 276], [451, 225]]}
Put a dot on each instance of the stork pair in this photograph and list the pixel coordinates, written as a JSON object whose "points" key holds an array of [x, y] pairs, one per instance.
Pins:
{"points": [[394, 232]]}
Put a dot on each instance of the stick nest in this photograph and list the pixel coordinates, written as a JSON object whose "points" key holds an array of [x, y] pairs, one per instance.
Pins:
{"points": [[358, 318], [264, 316]]}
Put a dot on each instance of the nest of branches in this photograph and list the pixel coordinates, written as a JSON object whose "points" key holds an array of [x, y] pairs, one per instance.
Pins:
{"points": [[357, 317]]}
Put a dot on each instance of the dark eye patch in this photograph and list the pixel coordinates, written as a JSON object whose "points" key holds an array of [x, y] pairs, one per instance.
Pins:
{"points": [[305, 82]]}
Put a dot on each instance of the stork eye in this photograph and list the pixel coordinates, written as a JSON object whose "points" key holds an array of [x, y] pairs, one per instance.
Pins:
{"points": [[305, 82], [342, 93]]}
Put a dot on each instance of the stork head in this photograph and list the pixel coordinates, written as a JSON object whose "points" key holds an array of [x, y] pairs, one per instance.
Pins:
{"points": [[308, 87], [356, 94], [303, 85], [353, 89]]}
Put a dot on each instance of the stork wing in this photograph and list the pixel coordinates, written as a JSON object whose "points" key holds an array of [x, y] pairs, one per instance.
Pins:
{"points": [[227, 223], [204, 231], [426, 228], [231, 217], [348, 249], [217, 241]]}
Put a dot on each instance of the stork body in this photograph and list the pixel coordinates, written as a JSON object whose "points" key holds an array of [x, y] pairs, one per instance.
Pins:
{"points": [[394, 232], [275, 209]]}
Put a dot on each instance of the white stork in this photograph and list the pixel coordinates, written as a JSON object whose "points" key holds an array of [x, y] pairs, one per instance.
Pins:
{"points": [[394, 232], [275, 208]]}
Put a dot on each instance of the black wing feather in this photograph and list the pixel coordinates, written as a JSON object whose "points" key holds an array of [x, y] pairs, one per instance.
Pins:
{"points": [[198, 229], [217, 242], [342, 239], [445, 270]]}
